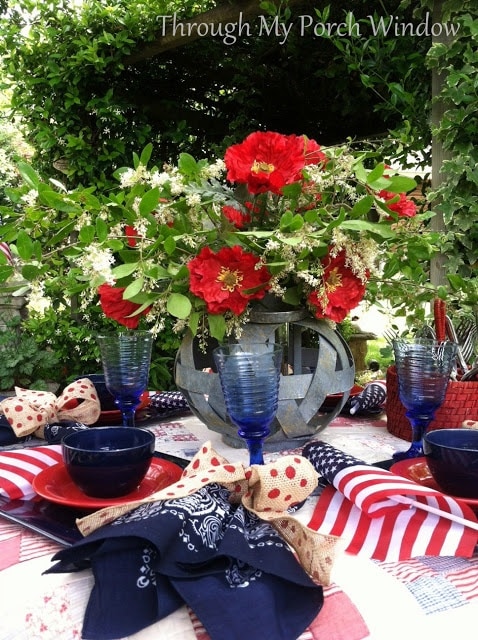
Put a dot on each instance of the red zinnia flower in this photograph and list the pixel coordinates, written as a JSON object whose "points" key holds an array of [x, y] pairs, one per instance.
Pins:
{"points": [[405, 207], [236, 217], [266, 161], [343, 290], [313, 154], [131, 234], [228, 279], [114, 307]]}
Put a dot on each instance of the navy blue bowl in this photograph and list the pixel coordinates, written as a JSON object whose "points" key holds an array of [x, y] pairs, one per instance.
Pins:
{"points": [[108, 462], [452, 457]]}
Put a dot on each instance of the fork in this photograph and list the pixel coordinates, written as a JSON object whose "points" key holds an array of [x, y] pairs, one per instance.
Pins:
{"points": [[390, 335], [465, 325], [466, 333]]}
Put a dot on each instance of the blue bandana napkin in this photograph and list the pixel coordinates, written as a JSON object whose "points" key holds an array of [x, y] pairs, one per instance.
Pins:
{"points": [[53, 432], [220, 539], [233, 569]]}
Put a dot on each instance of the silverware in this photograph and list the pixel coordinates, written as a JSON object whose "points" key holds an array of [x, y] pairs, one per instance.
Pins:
{"points": [[390, 335], [466, 331], [450, 330], [428, 332]]}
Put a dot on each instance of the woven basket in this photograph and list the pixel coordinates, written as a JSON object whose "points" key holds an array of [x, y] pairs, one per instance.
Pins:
{"points": [[461, 403]]}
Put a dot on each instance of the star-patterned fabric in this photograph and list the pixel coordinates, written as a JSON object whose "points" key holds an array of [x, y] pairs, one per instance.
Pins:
{"points": [[372, 398]]}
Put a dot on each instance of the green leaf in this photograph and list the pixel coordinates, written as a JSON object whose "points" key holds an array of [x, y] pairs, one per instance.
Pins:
{"points": [[25, 245], [187, 164], [383, 230], [149, 201], [375, 174], [87, 234], [101, 229], [62, 234], [360, 172], [217, 326], [170, 245], [146, 154], [5, 272], [286, 219], [401, 184], [124, 270], [292, 296], [179, 305], [58, 201], [362, 206], [194, 322], [30, 272], [133, 289], [28, 174]]}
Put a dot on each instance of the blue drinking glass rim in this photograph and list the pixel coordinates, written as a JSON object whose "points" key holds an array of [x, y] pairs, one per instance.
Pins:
{"points": [[130, 447], [424, 341], [126, 333], [444, 345], [276, 347]]}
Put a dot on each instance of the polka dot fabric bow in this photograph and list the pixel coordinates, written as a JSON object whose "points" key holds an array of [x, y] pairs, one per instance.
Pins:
{"points": [[266, 490], [30, 411]]}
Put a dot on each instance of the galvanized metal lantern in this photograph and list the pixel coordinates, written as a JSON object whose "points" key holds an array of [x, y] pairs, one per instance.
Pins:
{"points": [[318, 364]]}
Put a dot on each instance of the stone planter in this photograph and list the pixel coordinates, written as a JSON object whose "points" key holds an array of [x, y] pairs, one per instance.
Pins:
{"points": [[11, 305], [310, 374]]}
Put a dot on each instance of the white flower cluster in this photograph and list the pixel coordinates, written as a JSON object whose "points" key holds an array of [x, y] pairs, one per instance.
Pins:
{"points": [[130, 177], [30, 198], [361, 256], [95, 263], [214, 170], [37, 301]]}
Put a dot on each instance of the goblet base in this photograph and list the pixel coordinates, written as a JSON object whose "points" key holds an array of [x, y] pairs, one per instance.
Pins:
{"points": [[415, 451]]}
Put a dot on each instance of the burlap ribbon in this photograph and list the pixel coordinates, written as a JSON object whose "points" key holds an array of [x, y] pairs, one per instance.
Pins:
{"points": [[266, 490], [30, 411]]}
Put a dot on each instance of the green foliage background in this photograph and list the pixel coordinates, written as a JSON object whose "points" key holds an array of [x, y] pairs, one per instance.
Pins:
{"points": [[85, 108]]}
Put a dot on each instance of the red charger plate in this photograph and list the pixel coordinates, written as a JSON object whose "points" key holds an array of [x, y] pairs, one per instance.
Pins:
{"points": [[55, 485], [416, 469]]}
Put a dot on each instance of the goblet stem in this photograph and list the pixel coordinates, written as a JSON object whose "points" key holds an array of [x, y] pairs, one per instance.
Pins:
{"points": [[419, 425], [128, 416], [255, 448]]}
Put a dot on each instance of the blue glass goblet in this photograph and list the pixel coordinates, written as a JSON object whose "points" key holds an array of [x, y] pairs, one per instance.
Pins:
{"points": [[126, 358], [423, 371], [250, 376]]}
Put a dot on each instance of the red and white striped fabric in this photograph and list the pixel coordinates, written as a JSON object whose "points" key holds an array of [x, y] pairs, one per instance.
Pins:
{"points": [[5, 249], [369, 508], [18, 468]]}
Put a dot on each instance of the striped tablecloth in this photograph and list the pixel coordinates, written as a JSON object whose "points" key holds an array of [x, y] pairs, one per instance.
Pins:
{"points": [[421, 598]]}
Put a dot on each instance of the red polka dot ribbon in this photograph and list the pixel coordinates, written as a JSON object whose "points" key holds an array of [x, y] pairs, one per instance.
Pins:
{"points": [[29, 411], [266, 490]]}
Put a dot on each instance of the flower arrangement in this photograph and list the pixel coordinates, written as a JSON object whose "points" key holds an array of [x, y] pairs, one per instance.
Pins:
{"points": [[203, 241], [278, 215]]}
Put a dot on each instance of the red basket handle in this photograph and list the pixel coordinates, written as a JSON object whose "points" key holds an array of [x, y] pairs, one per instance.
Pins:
{"points": [[439, 311]]}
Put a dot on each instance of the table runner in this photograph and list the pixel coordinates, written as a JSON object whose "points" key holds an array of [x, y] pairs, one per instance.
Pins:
{"points": [[432, 601]]}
